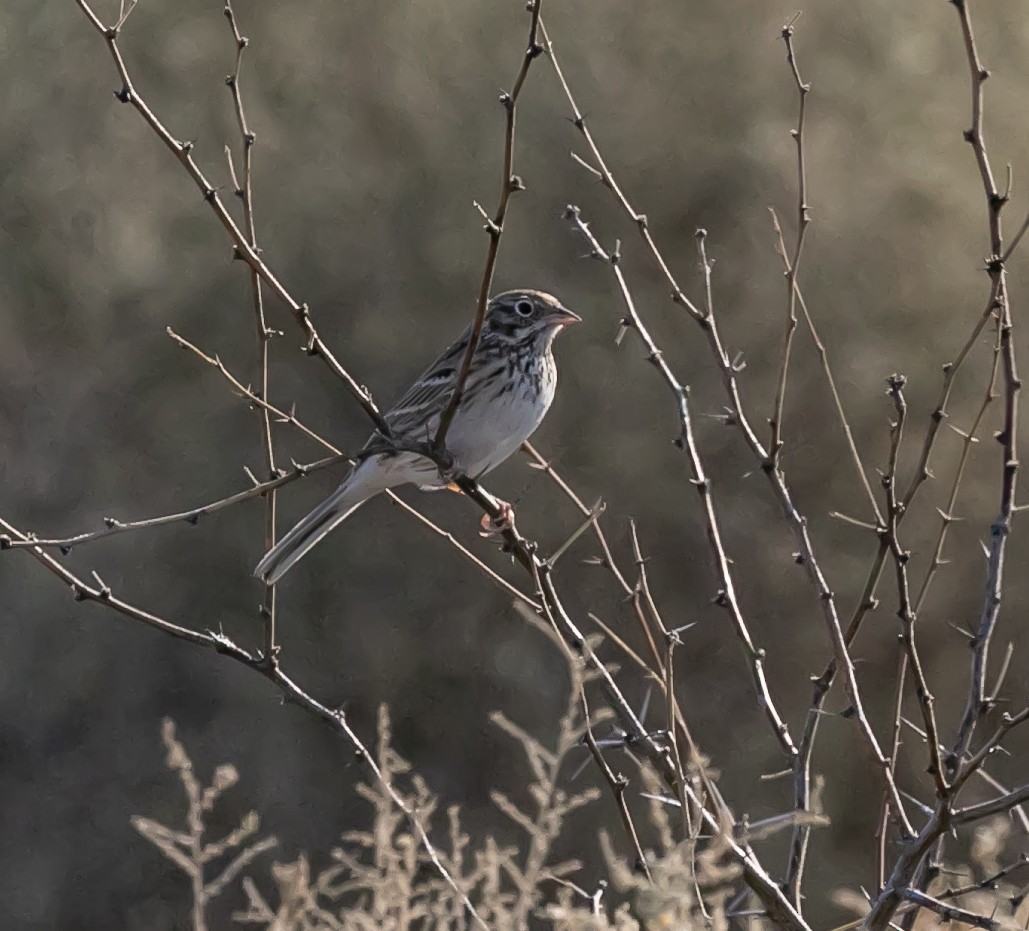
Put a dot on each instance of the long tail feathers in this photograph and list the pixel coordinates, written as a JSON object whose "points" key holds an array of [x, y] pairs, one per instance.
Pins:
{"points": [[310, 530]]}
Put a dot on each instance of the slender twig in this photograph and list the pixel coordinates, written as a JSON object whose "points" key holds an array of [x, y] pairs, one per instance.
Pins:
{"points": [[606, 560], [494, 226], [244, 191], [112, 526], [830, 378], [994, 806], [793, 262], [618, 785], [686, 441], [947, 515], [989, 883], [976, 761], [905, 609], [183, 152], [976, 705], [221, 644], [951, 912], [980, 771], [883, 826]]}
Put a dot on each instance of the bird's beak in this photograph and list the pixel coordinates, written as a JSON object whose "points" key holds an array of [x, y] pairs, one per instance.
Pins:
{"points": [[562, 317]]}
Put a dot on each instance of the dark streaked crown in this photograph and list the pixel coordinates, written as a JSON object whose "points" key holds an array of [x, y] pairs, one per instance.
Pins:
{"points": [[516, 314]]}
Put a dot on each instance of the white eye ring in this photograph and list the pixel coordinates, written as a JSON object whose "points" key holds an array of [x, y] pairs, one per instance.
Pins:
{"points": [[523, 308]]}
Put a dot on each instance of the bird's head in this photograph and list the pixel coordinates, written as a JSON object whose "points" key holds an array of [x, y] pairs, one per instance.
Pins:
{"points": [[516, 315]]}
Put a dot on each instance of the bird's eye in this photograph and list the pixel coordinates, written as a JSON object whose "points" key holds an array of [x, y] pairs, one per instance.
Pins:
{"points": [[523, 309]]}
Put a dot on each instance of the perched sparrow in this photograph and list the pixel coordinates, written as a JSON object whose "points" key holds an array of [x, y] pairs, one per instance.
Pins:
{"points": [[509, 389]]}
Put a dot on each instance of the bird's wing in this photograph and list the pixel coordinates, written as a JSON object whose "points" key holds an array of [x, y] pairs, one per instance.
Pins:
{"points": [[428, 396]]}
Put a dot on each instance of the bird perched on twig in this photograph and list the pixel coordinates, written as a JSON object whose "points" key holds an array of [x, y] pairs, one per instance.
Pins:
{"points": [[509, 389]]}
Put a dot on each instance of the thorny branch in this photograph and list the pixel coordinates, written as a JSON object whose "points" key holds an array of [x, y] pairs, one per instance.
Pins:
{"points": [[244, 191], [944, 816], [509, 183], [793, 261]]}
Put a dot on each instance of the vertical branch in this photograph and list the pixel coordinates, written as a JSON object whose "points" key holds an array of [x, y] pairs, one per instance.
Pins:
{"points": [[244, 191], [908, 869], [947, 515], [793, 263], [494, 226], [976, 705], [905, 611]]}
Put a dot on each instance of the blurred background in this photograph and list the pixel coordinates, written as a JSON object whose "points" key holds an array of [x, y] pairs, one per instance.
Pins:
{"points": [[377, 126]]}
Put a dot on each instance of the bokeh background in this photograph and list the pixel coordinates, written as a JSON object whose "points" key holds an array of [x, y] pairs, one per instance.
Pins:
{"points": [[377, 126]]}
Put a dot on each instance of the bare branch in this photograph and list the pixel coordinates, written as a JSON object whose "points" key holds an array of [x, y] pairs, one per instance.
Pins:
{"points": [[509, 183]]}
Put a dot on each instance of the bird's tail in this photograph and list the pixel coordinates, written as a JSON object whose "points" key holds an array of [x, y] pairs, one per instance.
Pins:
{"points": [[357, 488]]}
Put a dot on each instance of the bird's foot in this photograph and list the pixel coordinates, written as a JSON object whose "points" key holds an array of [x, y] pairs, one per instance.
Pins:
{"points": [[504, 521]]}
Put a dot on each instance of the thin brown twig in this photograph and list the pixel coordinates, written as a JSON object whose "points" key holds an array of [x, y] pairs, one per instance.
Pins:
{"points": [[976, 706], [245, 192], [980, 771], [606, 560], [618, 785], [113, 527], [950, 912], [494, 226], [947, 515], [793, 261], [830, 378], [989, 883], [883, 826], [905, 609]]}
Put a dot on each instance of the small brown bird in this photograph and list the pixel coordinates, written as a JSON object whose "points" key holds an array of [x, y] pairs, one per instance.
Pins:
{"points": [[509, 389]]}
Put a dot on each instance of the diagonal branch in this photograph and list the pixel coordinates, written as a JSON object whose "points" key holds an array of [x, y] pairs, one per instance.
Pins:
{"points": [[183, 152], [221, 644]]}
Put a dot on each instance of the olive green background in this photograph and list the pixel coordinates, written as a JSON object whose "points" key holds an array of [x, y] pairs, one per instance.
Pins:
{"points": [[377, 126]]}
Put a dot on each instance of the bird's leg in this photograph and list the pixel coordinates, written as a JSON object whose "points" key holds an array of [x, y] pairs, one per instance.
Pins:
{"points": [[504, 521]]}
